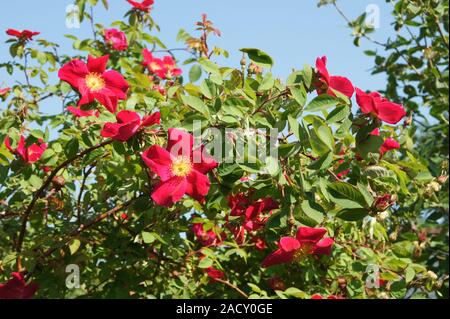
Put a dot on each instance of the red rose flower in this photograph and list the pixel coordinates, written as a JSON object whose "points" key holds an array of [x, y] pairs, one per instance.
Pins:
{"points": [[260, 244], [29, 154], [388, 145], [206, 238], [93, 82], [170, 68], [22, 35], [238, 233], [373, 103], [128, 124], [326, 83], [309, 241], [17, 288], [164, 68], [142, 6], [181, 168], [4, 91], [117, 39], [82, 113], [276, 283], [214, 273], [383, 202]]}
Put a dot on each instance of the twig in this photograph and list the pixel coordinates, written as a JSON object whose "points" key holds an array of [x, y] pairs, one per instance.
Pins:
{"points": [[229, 284], [41, 190], [91, 223]]}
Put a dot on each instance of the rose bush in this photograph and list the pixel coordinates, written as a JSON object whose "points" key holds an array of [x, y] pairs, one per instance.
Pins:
{"points": [[119, 186]]}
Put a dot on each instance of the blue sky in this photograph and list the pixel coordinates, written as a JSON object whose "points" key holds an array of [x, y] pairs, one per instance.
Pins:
{"points": [[293, 32]]}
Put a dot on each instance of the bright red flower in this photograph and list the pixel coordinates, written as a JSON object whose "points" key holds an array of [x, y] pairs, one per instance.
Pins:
{"points": [[22, 35], [93, 82], [164, 68], [17, 288], [260, 243], [276, 283], [128, 124], [317, 296], [117, 39], [309, 241], [373, 103], [29, 154], [207, 238], [181, 168], [326, 83], [388, 145], [214, 273], [82, 113], [170, 68], [4, 91], [144, 5]]}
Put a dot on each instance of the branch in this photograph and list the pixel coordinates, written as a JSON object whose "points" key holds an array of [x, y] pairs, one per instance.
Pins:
{"points": [[41, 190], [91, 223], [229, 284]]}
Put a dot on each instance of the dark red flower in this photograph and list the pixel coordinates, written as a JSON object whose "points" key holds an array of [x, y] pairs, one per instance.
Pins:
{"points": [[326, 83], [82, 113], [376, 105], [22, 35], [93, 82], [383, 202], [276, 283], [29, 154], [117, 39], [309, 241], [181, 168], [128, 124], [144, 5], [214, 273], [17, 288]]}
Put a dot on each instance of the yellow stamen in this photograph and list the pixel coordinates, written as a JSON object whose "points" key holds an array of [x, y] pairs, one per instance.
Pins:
{"points": [[181, 166], [303, 251], [95, 82]]}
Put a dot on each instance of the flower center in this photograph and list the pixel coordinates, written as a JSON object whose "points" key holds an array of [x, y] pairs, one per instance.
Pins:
{"points": [[95, 82], [303, 251], [181, 166], [155, 66]]}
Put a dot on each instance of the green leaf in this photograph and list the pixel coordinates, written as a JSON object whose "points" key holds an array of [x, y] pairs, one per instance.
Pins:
{"points": [[195, 73], [313, 210], [323, 162], [205, 263], [267, 83], [352, 214], [258, 57], [147, 237], [346, 195], [321, 103], [196, 103], [74, 246]]}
